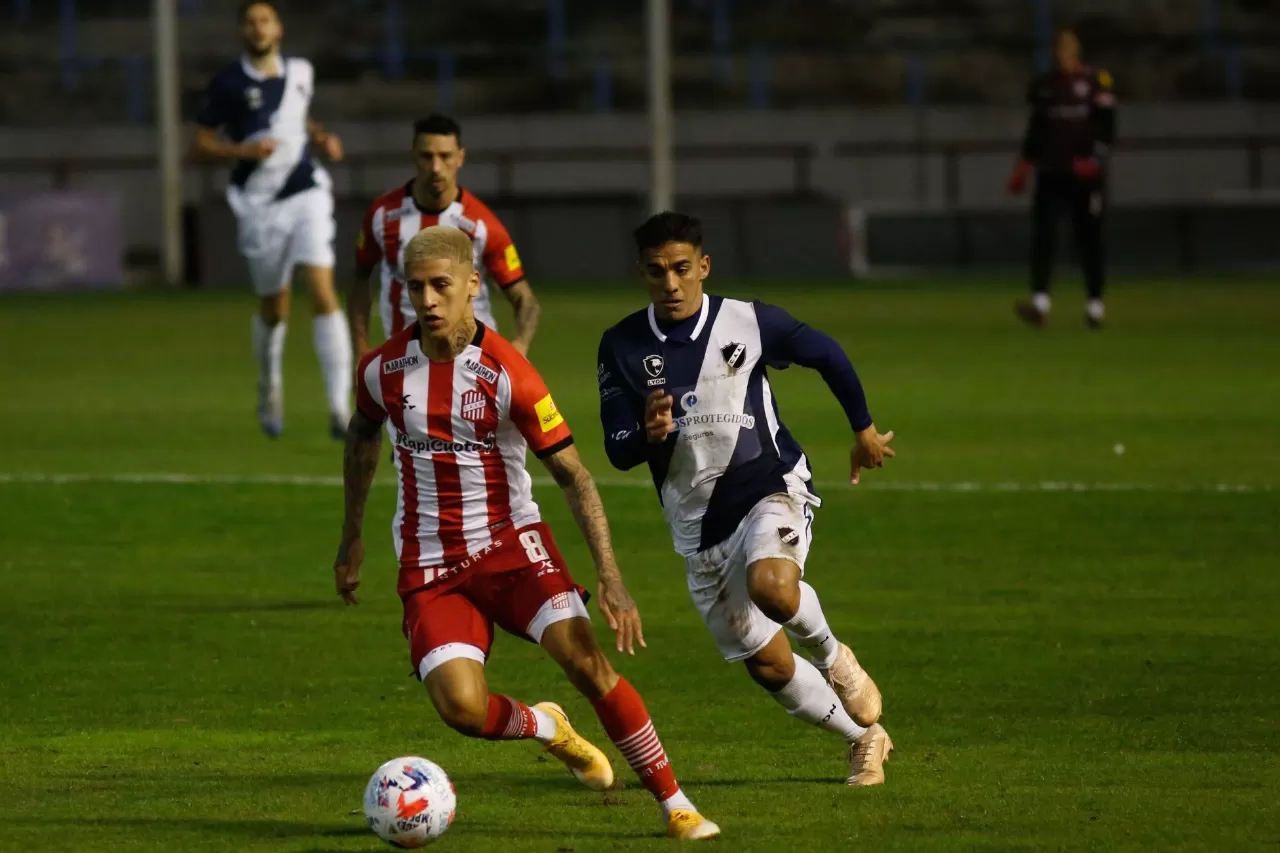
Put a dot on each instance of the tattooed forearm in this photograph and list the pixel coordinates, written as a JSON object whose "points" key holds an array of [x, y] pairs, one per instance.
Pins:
{"points": [[588, 510], [359, 464], [527, 311]]}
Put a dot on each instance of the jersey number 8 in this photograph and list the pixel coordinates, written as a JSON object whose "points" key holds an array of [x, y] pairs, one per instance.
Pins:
{"points": [[533, 547]]}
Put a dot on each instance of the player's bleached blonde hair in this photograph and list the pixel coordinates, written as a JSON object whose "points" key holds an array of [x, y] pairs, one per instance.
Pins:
{"points": [[437, 242]]}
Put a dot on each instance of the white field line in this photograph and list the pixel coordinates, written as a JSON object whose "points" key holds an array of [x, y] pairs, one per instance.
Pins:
{"points": [[182, 479]]}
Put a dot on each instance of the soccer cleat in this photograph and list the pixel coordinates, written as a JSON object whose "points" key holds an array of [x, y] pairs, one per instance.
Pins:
{"points": [[867, 756], [857, 692], [690, 826], [1092, 322], [577, 753], [1030, 314], [271, 412]]}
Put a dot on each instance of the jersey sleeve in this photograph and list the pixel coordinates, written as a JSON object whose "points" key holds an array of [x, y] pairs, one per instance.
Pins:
{"points": [[1104, 111], [501, 260], [368, 248], [625, 442], [369, 387], [215, 107], [533, 411], [786, 341]]}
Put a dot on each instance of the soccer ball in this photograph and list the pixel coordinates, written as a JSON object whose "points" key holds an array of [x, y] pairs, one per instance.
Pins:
{"points": [[409, 802]]}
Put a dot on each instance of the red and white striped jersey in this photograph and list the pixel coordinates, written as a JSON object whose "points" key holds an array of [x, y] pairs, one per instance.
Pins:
{"points": [[393, 219], [460, 430]]}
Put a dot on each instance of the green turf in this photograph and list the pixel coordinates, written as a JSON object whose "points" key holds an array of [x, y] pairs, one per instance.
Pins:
{"points": [[1061, 669]]}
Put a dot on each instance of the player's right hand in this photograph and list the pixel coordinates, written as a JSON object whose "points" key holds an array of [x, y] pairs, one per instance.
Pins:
{"points": [[259, 149], [658, 422], [346, 569], [870, 449]]}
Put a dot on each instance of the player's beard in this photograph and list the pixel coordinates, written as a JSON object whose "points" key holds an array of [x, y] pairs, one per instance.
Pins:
{"points": [[256, 52]]}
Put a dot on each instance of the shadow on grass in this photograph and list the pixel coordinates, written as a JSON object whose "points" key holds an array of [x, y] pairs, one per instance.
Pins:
{"points": [[255, 828]]}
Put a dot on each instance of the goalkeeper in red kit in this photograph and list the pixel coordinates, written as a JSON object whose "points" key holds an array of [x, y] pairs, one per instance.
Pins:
{"points": [[1070, 131]]}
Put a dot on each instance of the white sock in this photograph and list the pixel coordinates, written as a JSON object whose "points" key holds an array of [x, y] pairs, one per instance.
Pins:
{"points": [[1041, 301], [677, 801], [546, 726], [1095, 309], [810, 629], [333, 349], [808, 697], [268, 352]]}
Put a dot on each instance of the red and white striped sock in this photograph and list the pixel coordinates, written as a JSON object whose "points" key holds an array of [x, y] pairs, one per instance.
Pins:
{"points": [[626, 720], [508, 719]]}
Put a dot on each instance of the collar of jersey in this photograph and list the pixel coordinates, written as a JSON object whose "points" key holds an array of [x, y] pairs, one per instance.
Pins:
{"points": [[254, 74], [408, 191], [697, 329]]}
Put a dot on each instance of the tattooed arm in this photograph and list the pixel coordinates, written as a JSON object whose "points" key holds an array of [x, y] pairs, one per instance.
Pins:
{"points": [[581, 494], [359, 463]]}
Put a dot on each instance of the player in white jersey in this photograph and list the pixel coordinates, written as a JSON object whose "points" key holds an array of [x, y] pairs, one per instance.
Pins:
{"points": [[684, 388], [256, 116], [433, 197]]}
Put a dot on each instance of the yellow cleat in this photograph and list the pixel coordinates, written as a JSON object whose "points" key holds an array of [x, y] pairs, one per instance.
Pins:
{"points": [[867, 756], [691, 826], [577, 753]]}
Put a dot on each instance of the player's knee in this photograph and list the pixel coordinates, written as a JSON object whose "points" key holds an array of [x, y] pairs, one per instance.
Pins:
{"points": [[774, 586], [464, 713]]}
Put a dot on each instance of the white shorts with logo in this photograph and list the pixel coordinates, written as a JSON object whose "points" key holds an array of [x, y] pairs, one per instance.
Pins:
{"points": [[780, 526], [275, 236]]}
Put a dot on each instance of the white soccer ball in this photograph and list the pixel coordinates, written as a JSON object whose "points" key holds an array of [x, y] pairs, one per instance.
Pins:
{"points": [[409, 802]]}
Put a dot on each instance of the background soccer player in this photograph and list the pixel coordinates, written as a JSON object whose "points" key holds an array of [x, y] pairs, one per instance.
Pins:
{"points": [[283, 203], [433, 197], [1070, 131], [683, 387], [464, 406]]}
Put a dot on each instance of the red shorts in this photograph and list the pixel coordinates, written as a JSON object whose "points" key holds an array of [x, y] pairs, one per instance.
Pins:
{"points": [[521, 584]]}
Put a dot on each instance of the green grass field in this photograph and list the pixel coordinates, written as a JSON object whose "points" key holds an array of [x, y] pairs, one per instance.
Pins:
{"points": [[1078, 648]]}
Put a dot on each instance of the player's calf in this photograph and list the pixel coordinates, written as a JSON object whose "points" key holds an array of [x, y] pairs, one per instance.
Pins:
{"points": [[572, 644]]}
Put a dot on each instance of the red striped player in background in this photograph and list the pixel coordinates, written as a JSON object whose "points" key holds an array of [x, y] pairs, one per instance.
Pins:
{"points": [[433, 197], [463, 407]]}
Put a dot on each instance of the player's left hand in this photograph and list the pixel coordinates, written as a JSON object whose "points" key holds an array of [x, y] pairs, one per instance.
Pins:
{"points": [[870, 449], [332, 145], [346, 569], [620, 612]]}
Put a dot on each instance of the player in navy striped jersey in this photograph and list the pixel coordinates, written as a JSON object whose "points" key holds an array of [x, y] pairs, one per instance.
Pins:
{"points": [[684, 388], [255, 116]]}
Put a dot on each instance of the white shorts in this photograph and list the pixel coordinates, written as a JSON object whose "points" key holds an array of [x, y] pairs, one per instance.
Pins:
{"points": [[777, 527], [275, 237]]}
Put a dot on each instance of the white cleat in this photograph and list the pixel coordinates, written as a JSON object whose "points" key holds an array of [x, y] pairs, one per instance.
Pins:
{"points": [[867, 756], [271, 411], [857, 692]]}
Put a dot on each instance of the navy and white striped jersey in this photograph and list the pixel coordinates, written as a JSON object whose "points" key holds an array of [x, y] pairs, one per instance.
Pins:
{"points": [[730, 448], [247, 105]]}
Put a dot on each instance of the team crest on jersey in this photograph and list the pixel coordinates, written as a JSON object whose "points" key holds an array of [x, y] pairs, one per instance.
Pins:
{"points": [[689, 401], [486, 373], [653, 365], [398, 364], [788, 536], [733, 354], [474, 404], [253, 97]]}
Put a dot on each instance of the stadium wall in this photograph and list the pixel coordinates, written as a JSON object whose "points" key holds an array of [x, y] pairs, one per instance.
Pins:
{"points": [[931, 182]]}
